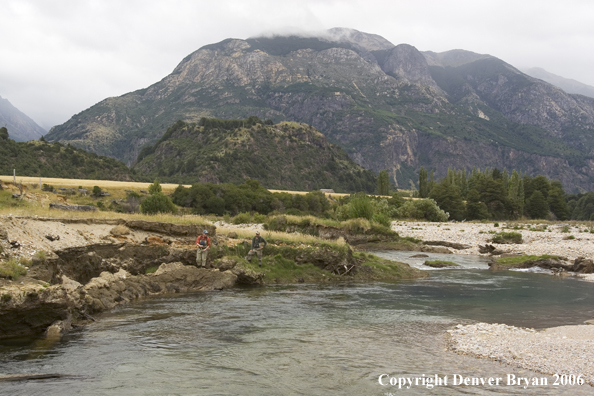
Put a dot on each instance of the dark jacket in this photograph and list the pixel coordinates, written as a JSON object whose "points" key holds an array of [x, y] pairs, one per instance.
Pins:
{"points": [[257, 240]]}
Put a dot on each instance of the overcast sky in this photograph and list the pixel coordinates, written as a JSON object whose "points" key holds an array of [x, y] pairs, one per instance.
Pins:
{"points": [[59, 57]]}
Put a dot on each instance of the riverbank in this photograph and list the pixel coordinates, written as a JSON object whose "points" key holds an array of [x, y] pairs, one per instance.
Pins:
{"points": [[565, 350], [57, 273], [559, 239]]}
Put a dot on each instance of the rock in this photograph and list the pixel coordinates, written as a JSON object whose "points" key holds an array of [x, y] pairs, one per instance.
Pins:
{"points": [[75, 208], [486, 249], [436, 249], [453, 245], [247, 276], [583, 266], [232, 235], [119, 230], [3, 234], [225, 264], [419, 256], [52, 237], [440, 264]]}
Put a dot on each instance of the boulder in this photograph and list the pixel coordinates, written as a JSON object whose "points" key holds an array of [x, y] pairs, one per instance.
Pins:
{"points": [[119, 230], [225, 264], [583, 266]]}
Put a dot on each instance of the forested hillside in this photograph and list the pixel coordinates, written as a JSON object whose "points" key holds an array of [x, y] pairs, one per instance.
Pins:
{"points": [[39, 158], [287, 155]]}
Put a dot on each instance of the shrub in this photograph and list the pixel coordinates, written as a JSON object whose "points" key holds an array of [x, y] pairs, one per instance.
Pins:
{"points": [[242, 218], [422, 209], [97, 191], [507, 237], [12, 268], [382, 219], [157, 203], [360, 206]]}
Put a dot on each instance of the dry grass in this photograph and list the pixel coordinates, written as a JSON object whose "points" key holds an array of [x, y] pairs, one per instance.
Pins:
{"points": [[88, 184], [284, 236]]}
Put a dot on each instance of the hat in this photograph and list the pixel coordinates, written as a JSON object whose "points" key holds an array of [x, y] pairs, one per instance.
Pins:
{"points": [[257, 232], [205, 232]]}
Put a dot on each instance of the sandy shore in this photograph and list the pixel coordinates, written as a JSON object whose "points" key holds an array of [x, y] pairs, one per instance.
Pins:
{"points": [[552, 239]]}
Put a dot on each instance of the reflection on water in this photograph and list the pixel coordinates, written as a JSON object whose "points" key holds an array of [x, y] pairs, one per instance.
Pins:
{"points": [[301, 340]]}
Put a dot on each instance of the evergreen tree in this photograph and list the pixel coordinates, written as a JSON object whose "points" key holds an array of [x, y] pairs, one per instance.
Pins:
{"points": [[515, 194], [584, 208], [537, 206], [423, 183], [475, 209], [3, 133], [431, 180], [491, 193], [448, 198], [155, 188], [557, 202], [383, 183], [505, 180]]}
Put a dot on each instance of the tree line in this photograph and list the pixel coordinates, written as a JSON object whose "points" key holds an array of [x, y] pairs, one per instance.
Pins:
{"points": [[498, 195]]}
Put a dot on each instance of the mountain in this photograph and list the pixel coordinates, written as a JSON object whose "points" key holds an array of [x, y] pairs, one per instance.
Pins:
{"points": [[389, 106], [566, 84], [285, 156], [20, 127], [39, 158]]}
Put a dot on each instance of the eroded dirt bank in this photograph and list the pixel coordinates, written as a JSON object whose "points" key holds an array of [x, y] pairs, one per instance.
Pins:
{"points": [[89, 266]]}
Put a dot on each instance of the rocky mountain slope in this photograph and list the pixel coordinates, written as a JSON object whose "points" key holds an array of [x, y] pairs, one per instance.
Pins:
{"points": [[20, 126], [566, 84], [287, 155], [390, 107]]}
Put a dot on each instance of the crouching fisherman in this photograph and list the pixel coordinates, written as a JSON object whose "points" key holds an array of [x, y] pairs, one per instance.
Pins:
{"points": [[203, 244], [258, 244]]}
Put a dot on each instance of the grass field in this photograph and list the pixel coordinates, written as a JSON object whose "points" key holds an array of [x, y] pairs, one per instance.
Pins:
{"points": [[88, 184]]}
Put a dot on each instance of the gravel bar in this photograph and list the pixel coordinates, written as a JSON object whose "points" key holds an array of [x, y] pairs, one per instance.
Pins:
{"points": [[561, 350]]}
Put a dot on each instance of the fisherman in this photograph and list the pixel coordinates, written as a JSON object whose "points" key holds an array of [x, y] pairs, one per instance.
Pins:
{"points": [[258, 244], [203, 244]]}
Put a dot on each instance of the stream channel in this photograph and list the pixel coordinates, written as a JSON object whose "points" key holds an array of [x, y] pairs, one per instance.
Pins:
{"points": [[303, 339]]}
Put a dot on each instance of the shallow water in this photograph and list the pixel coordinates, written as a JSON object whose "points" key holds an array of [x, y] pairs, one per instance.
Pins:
{"points": [[302, 340]]}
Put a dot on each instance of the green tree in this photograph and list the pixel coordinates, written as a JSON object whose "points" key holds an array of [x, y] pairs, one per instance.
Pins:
{"points": [[537, 206], [584, 208], [448, 198], [557, 202], [423, 183], [491, 193], [97, 191], [515, 194], [475, 209], [155, 188], [383, 183], [3, 133]]}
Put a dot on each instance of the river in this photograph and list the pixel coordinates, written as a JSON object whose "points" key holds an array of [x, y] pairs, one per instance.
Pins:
{"points": [[303, 339]]}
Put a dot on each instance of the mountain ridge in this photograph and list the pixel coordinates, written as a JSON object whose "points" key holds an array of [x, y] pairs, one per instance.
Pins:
{"points": [[388, 108], [20, 126]]}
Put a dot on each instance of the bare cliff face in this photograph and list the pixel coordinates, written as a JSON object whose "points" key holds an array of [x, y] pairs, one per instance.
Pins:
{"points": [[390, 107]]}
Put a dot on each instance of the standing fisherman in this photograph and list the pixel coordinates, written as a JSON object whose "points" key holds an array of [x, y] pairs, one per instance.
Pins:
{"points": [[257, 248], [203, 244]]}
